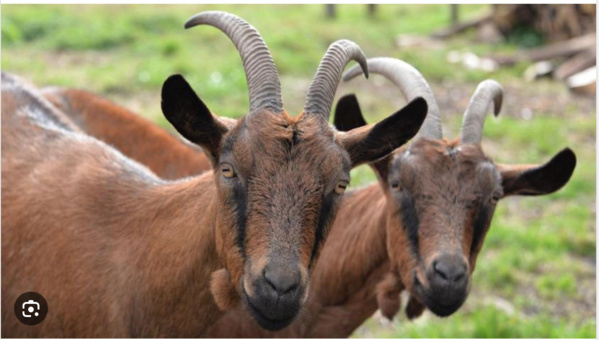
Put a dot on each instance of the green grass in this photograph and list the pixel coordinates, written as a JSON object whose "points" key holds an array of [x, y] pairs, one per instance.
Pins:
{"points": [[487, 322], [539, 253], [124, 49]]}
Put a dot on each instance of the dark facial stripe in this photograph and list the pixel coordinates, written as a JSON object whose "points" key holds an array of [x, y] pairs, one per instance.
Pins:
{"points": [[480, 225], [240, 202], [410, 222], [323, 222]]}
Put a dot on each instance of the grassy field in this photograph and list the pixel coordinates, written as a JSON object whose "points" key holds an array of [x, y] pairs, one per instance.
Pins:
{"points": [[536, 274]]}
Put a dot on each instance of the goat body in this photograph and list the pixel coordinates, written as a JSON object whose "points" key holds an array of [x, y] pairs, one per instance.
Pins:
{"points": [[347, 278], [103, 239], [138, 138]]}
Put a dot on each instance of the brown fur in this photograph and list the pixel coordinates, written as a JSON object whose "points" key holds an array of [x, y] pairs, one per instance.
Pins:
{"points": [[340, 301], [387, 291], [345, 282], [387, 295], [114, 248], [118, 237], [98, 262], [166, 155], [447, 178]]}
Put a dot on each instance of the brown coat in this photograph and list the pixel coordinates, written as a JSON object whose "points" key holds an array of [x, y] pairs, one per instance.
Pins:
{"points": [[62, 196], [168, 156], [343, 293]]}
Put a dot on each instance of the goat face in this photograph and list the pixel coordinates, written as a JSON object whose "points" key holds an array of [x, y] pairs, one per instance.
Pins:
{"points": [[444, 195], [280, 180], [441, 196]]}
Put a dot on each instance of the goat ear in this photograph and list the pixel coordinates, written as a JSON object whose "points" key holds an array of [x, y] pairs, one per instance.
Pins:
{"points": [[538, 179], [190, 116], [371, 142], [348, 115]]}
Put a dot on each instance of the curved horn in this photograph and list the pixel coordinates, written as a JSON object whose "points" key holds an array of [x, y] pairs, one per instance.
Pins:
{"points": [[411, 83], [474, 117], [261, 73], [324, 85]]}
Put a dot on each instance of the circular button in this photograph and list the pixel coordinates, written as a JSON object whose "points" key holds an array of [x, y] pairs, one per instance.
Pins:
{"points": [[31, 308]]}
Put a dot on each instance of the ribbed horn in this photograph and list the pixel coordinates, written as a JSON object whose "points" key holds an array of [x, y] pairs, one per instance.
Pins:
{"points": [[324, 85], [264, 86], [411, 83], [474, 117]]}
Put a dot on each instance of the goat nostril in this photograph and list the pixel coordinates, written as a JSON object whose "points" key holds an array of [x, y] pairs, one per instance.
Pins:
{"points": [[459, 277], [270, 283], [450, 271], [440, 270], [280, 282], [291, 288]]}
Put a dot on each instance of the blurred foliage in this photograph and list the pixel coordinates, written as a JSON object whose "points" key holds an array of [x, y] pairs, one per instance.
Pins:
{"points": [[525, 36], [539, 255]]}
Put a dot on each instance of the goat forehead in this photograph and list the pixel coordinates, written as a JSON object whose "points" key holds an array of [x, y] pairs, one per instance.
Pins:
{"points": [[441, 163], [285, 144]]}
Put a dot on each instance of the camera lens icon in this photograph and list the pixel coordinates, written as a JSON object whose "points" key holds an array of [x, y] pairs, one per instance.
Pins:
{"points": [[31, 308]]}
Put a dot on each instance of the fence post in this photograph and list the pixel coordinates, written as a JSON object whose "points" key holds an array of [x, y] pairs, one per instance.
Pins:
{"points": [[330, 11]]}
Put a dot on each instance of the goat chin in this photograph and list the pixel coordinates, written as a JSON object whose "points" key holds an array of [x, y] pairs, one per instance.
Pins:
{"points": [[224, 293]]}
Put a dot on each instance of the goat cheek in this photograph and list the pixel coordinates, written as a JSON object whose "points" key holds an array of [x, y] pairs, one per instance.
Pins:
{"points": [[400, 254]]}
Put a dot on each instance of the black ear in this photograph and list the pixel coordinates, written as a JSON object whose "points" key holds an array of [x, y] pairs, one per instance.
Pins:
{"points": [[538, 180], [190, 116], [348, 115], [369, 143]]}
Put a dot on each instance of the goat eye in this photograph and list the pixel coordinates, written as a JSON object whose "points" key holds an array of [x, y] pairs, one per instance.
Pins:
{"points": [[227, 170], [495, 198], [395, 186], [340, 187]]}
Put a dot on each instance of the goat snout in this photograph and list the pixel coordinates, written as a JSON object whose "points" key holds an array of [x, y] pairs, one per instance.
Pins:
{"points": [[448, 284], [275, 296]]}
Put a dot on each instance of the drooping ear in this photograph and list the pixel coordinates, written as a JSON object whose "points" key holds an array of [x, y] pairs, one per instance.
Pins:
{"points": [[348, 115], [538, 179], [371, 142], [190, 116]]}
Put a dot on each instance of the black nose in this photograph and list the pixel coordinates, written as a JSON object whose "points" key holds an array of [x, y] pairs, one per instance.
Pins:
{"points": [[449, 269], [282, 280]]}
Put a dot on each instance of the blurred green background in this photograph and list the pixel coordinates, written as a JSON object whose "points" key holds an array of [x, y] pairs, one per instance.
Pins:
{"points": [[536, 274]]}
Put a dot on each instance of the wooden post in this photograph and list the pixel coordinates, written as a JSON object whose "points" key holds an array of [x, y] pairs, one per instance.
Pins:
{"points": [[455, 16], [330, 8], [371, 10]]}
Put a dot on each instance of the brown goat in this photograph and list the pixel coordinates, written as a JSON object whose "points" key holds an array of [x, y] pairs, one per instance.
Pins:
{"points": [[95, 115], [117, 251], [136, 137], [421, 228], [345, 290]]}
